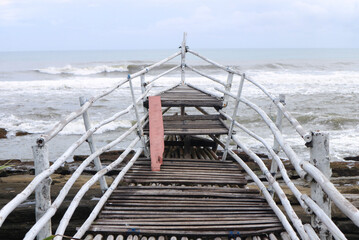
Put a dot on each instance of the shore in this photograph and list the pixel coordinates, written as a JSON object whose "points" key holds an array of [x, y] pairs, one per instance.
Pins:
{"points": [[345, 176]]}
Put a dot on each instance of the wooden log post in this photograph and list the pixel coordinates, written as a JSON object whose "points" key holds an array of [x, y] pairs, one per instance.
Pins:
{"points": [[90, 141], [227, 88], [143, 89], [139, 126], [183, 58], [276, 146], [42, 191], [235, 110], [319, 157]]}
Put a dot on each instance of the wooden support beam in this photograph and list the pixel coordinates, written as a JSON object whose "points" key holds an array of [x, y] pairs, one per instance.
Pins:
{"points": [[319, 157], [42, 191]]}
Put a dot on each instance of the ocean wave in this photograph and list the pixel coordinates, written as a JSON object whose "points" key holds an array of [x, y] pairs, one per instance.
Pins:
{"points": [[14, 124], [82, 71]]}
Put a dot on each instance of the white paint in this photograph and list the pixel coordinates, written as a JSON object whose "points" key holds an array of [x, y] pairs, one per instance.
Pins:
{"points": [[42, 191]]}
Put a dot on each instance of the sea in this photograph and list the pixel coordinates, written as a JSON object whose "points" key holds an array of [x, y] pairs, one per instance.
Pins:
{"points": [[39, 88]]}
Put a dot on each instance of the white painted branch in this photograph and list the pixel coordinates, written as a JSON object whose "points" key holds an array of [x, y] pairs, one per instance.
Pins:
{"points": [[139, 127], [304, 167], [312, 234], [91, 143], [293, 157], [86, 225], [306, 135], [281, 195], [43, 191], [319, 157], [278, 123], [204, 91], [339, 200], [10, 206], [272, 236], [275, 157], [227, 69], [59, 126], [206, 76], [183, 58], [75, 202], [229, 86], [64, 191], [337, 234], [163, 74], [267, 196], [234, 115], [276, 147]]}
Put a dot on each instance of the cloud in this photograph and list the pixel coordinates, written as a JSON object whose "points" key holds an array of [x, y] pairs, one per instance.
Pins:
{"points": [[5, 2]]}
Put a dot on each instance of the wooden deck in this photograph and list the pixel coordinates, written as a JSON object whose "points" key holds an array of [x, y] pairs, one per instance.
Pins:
{"points": [[194, 194], [188, 198], [192, 125], [186, 96]]}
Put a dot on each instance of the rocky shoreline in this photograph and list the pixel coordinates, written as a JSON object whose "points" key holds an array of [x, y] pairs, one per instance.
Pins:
{"points": [[345, 176], [4, 133]]}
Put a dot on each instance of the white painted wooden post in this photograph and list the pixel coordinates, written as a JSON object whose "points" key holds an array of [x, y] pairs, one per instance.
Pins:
{"points": [[227, 88], [319, 157], [139, 127], [235, 110], [143, 84], [183, 58], [42, 191], [276, 146], [90, 141]]}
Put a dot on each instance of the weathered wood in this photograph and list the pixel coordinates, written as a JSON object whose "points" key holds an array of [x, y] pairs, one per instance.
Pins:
{"points": [[43, 190], [187, 210], [91, 143], [156, 131], [189, 232], [183, 58], [234, 115], [192, 117], [319, 157]]}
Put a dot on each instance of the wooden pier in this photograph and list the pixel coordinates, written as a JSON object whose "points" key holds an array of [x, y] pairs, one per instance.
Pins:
{"points": [[197, 190], [190, 197]]}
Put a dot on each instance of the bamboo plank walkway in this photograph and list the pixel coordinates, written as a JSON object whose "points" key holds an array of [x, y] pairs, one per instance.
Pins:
{"points": [[186, 96], [194, 194], [187, 197]]}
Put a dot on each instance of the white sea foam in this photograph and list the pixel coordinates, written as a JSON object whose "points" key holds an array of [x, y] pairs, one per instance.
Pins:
{"points": [[68, 83], [14, 124], [68, 69]]}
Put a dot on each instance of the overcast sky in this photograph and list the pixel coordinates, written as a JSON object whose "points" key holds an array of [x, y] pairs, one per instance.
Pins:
{"points": [[154, 24]]}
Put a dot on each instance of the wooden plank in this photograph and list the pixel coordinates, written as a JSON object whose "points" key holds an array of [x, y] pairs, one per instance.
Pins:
{"points": [[191, 103], [192, 227], [151, 214], [196, 131], [202, 223], [156, 131], [186, 188], [174, 126], [192, 117], [181, 193], [203, 217], [190, 233], [189, 181], [193, 122], [181, 199]]}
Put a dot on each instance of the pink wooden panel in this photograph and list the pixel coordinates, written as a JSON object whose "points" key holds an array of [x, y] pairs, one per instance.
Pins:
{"points": [[157, 145]]}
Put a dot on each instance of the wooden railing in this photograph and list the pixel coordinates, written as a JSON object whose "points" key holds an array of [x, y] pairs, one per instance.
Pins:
{"points": [[304, 168]]}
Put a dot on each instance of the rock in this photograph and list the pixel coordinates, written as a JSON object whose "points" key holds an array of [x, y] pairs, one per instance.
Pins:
{"points": [[3, 133], [21, 133], [352, 158]]}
